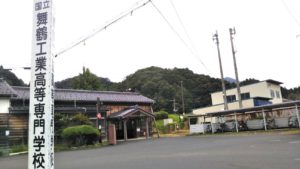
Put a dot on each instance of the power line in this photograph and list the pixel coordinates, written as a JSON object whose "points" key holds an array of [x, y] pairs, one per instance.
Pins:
{"points": [[13, 68], [183, 26], [290, 12], [137, 6], [178, 35]]}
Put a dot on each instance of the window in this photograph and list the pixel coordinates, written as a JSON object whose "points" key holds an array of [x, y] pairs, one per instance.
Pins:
{"points": [[245, 96], [277, 94], [272, 93], [231, 98]]}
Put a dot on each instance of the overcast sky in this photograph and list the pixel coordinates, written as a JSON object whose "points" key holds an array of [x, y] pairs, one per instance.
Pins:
{"points": [[265, 40]]}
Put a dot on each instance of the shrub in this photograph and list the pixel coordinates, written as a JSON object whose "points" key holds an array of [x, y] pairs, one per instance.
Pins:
{"points": [[161, 115], [18, 148], [80, 135], [61, 121]]}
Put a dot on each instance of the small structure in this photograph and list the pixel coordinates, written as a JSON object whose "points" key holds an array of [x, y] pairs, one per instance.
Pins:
{"points": [[260, 117], [132, 122]]}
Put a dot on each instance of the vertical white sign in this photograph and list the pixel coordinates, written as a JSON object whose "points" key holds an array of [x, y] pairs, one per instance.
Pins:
{"points": [[41, 111]]}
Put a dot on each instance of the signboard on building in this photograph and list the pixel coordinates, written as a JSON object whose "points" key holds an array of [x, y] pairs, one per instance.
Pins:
{"points": [[41, 111]]}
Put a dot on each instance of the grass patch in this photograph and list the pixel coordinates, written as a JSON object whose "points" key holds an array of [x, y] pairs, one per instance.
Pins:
{"points": [[65, 147], [18, 148]]}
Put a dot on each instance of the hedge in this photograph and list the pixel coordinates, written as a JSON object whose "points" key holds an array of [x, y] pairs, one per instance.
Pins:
{"points": [[81, 135]]}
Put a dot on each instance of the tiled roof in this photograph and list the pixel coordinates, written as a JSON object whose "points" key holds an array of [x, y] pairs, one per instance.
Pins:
{"points": [[6, 89], [128, 112], [84, 95]]}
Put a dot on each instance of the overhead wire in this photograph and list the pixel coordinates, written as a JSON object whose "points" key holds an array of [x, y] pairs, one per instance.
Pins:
{"points": [[182, 25], [290, 12], [137, 6], [180, 37]]}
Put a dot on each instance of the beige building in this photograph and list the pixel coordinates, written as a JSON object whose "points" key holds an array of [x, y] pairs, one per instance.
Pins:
{"points": [[258, 94]]}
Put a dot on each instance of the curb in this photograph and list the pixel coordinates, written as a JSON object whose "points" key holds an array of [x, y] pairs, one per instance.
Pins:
{"points": [[19, 153]]}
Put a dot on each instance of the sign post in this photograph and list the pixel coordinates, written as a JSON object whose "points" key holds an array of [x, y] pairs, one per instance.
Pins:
{"points": [[41, 111]]}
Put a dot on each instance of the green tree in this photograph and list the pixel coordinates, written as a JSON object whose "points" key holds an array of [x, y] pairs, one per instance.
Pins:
{"points": [[87, 81], [80, 119], [248, 81]]}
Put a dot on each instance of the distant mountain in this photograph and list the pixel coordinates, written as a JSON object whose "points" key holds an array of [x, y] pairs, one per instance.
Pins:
{"points": [[230, 80]]}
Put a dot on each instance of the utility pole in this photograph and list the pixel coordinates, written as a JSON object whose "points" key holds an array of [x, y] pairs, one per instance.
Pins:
{"points": [[174, 108], [232, 33], [182, 100], [216, 39], [174, 105]]}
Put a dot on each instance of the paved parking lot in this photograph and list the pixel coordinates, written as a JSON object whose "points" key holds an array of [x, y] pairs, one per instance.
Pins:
{"points": [[255, 151]]}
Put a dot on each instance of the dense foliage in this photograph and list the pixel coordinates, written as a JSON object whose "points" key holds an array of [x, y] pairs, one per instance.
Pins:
{"points": [[80, 119], [85, 81], [291, 94], [161, 115], [10, 77], [164, 85], [248, 81]]}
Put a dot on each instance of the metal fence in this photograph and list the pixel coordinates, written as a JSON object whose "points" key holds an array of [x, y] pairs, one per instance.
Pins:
{"points": [[258, 118]]}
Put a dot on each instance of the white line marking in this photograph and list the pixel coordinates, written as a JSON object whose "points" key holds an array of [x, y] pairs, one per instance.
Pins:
{"points": [[275, 140]]}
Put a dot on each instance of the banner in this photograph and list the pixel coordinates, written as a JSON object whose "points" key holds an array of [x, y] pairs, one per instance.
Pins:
{"points": [[41, 110]]}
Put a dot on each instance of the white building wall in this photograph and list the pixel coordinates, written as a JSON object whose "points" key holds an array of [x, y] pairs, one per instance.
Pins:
{"points": [[4, 105], [275, 88], [261, 89]]}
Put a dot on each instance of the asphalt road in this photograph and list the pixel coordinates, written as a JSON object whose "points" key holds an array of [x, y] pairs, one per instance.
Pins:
{"points": [[257, 151]]}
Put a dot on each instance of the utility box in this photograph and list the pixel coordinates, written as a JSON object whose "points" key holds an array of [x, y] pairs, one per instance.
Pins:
{"points": [[112, 137], [167, 121]]}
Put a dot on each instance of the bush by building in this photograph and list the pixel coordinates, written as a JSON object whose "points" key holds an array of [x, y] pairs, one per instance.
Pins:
{"points": [[80, 135], [161, 115]]}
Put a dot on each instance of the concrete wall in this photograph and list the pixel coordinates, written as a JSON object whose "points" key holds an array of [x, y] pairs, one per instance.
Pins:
{"points": [[4, 105], [231, 106]]}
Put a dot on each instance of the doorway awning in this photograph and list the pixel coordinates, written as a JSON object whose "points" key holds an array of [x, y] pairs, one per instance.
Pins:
{"points": [[130, 112]]}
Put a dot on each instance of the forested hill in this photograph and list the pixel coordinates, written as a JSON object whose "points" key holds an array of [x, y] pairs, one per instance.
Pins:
{"points": [[163, 85], [10, 77]]}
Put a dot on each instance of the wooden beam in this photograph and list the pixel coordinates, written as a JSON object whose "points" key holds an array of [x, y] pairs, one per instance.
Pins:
{"points": [[125, 129], [147, 128], [297, 113], [156, 128]]}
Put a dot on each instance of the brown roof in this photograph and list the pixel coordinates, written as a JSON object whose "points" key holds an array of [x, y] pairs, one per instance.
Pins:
{"points": [[129, 112], [81, 95]]}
